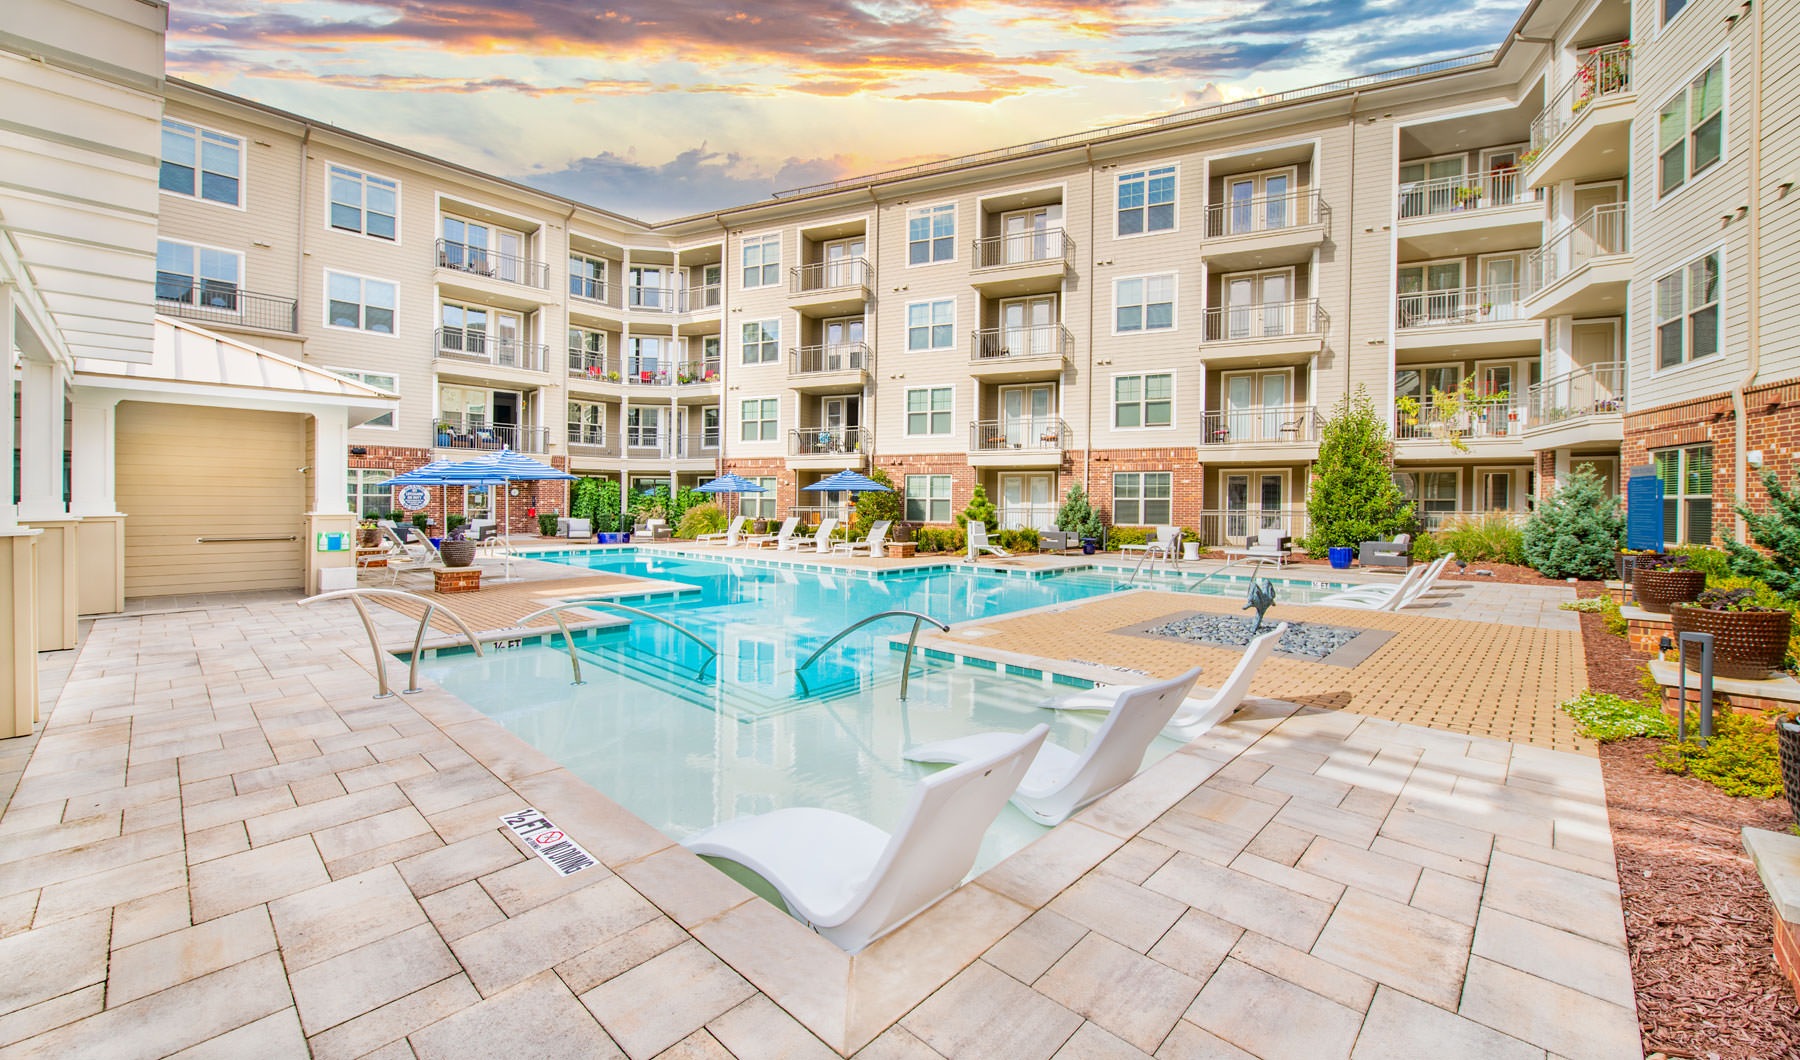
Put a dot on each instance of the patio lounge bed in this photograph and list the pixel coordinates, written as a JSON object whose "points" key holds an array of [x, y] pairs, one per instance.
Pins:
{"points": [[1270, 544]]}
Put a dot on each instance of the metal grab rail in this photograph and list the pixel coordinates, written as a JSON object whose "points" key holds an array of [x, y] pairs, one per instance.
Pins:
{"points": [[242, 538], [412, 671], [1256, 565], [600, 602], [911, 641]]}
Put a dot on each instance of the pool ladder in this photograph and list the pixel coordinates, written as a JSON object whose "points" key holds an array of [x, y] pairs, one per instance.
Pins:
{"points": [[555, 611], [412, 671], [912, 641]]}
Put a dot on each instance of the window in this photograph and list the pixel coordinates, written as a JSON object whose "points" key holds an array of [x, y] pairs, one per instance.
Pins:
{"points": [[762, 342], [759, 506], [363, 304], [587, 424], [931, 234], [928, 498], [1671, 8], [364, 203], [380, 381], [198, 276], [762, 261], [761, 419], [1147, 201], [1144, 303], [587, 277], [1690, 130], [1687, 312], [1141, 498], [201, 163], [1144, 400], [1687, 494], [643, 427], [369, 493], [709, 427], [930, 325], [928, 410]]}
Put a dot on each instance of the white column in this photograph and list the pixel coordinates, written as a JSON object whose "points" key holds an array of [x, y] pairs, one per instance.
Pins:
{"points": [[41, 442], [9, 514], [93, 454], [330, 460]]}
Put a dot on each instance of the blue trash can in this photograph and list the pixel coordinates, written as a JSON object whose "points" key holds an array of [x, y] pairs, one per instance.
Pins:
{"points": [[1341, 555]]}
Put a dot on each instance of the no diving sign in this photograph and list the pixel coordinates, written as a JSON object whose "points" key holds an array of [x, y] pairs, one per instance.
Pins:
{"points": [[549, 842]]}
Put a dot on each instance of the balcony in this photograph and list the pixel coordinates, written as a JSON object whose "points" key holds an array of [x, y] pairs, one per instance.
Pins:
{"points": [[1264, 231], [591, 442], [487, 264], [462, 347], [596, 292], [650, 372], [1579, 407], [1489, 318], [1478, 426], [647, 298], [702, 298], [1584, 132], [647, 443], [1036, 351], [1231, 527], [1262, 428], [223, 305], [1583, 269], [1022, 442], [1448, 216], [834, 368], [831, 288], [473, 432], [1022, 263], [590, 366], [1264, 332], [701, 445], [829, 448]]}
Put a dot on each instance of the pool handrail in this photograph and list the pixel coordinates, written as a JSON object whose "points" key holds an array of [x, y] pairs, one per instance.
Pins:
{"points": [[911, 640], [412, 671], [712, 652], [1256, 564]]}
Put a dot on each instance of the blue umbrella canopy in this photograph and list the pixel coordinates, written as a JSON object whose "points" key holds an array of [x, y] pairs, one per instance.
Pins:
{"points": [[730, 484], [441, 473], [848, 482], [508, 466]]}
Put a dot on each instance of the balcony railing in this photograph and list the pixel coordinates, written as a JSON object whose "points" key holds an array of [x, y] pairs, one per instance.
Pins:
{"points": [[1604, 72], [1025, 433], [1018, 343], [822, 441], [1437, 517], [1027, 516], [696, 445], [484, 262], [1236, 526], [1265, 320], [833, 357], [1265, 213], [590, 289], [479, 347], [1023, 248], [1265, 423], [592, 440], [646, 443], [655, 372], [473, 432], [1461, 420], [830, 275], [589, 364], [1601, 232], [1463, 194], [1597, 390], [217, 303], [652, 299], [705, 296], [1493, 303]]}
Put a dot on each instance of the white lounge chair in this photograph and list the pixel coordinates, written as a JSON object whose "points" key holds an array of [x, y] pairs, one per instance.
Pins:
{"points": [[978, 542], [1196, 715], [870, 545], [403, 558], [1418, 581], [779, 537], [820, 538], [853, 883], [1159, 544], [1060, 781], [726, 537]]}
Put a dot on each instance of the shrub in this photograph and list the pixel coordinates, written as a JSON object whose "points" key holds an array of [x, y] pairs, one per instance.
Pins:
{"points": [[704, 518], [876, 505], [1128, 535], [980, 509], [1024, 539], [1605, 717], [1427, 547], [1576, 532], [650, 504], [939, 539], [1740, 759], [1593, 605], [684, 500], [1761, 594], [547, 524], [1614, 619], [1490, 539], [584, 498], [1078, 516], [606, 505], [1353, 497], [1712, 562], [454, 523], [1777, 530]]}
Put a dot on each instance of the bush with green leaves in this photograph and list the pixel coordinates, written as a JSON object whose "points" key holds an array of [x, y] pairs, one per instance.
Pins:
{"points": [[1426, 547], [547, 524], [980, 509], [1024, 539], [1488, 539], [584, 497], [606, 505], [1606, 717], [1353, 497], [704, 518], [1777, 530], [877, 504], [1712, 562], [684, 500], [1740, 759], [1576, 533], [1129, 535], [928, 539], [649, 504], [1078, 515]]}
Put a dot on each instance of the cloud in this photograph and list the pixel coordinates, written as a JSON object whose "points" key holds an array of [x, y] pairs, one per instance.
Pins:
{"points": [[694, 181]]}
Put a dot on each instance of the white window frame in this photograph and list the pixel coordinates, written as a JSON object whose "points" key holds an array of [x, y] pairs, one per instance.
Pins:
{"points": [[932, 210], [929, 497], [356, 478], [761, 243], [930, 325], [1145, 278], [1142, 401], [200, 134], [363, 177], [658, 431], [772, 426], [605, 279], [1142, 498], [907, 414], [575, 403], [362, 375], [1143, 172], [1692, 176], [1681, 531], [770, 337], [362, 303], [196, 278], [760, 506], [1687, 314]]}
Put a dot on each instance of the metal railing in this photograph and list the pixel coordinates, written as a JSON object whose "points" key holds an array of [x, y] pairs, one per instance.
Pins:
{"points": [[1462, 420], [646, 443], [832, 357], [1026, 516], [830, 275], [702, 296], [464, 344], [1262, 423], [1027, 433], [1265, 320], [821, 441], [592, 440], [1464, 193], [382, 691], [1433, 516], [696, 445], [1019, 343], [652, 298], [216, 303], [1256, 566], [654, 371], [594, 601], [905, 663], [1233, 526], [1603, 72], [1596, 390], [588, 363], [1602, 232], [457, 432], [1266, 213], [1023, 248], [484, 262], [592, 289], [1449, 307]]}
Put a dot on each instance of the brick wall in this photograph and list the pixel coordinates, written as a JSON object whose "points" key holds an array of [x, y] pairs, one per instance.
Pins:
{"points": [[1186, 481], [1546, 474], [540, 496]]}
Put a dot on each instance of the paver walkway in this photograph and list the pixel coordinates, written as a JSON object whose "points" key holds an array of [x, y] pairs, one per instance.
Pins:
{"points": [[222, 844]]}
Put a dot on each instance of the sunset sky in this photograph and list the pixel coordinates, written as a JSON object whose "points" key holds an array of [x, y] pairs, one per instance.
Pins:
{"points": [[656, 108]]}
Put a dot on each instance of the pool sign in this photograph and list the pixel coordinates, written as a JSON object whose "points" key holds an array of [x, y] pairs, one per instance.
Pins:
{"points": [[549, 842], [413, 498]]}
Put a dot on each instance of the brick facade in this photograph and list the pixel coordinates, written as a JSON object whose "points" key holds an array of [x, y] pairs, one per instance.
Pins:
{"points": [[531, 496], [1187, 480], [1773, 426]]}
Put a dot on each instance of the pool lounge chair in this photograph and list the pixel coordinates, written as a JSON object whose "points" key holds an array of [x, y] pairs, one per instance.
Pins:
{"points": [[776, 538], [581, 530], [1058, 540], [1386, 553], [852, 882], [726, 537], [978, 542], [870, 545], [819, 539], [403, 558], [1418, 581], [1060, 781], [1196, 715], [1270, 544], [1165, 543]]}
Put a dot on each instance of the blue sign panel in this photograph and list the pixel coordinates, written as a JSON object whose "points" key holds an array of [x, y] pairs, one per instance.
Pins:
{"points": [[412, 498], [1644, 512]]}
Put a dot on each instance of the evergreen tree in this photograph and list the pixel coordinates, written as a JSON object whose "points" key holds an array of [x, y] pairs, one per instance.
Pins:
{"points": [[1576, 533], [980, 509], [876, 505], [1779, 532], [1077, 516], [1353, 497]]}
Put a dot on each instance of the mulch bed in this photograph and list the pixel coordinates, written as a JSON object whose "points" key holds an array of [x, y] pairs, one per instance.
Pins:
{"points": [[1697, 920]]}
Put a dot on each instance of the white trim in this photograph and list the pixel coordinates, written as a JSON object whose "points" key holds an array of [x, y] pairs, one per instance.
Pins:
{"points": [[906, 327], [243, 203], [956, 231], [1687, 360], [741, 345], [906, 415], [399, 200], [1113, 489], [1112, 205], [760, 238], [362, 293], [1174, 303], [741, 420], [358, 375], [1723, 58], [1112, 400]]}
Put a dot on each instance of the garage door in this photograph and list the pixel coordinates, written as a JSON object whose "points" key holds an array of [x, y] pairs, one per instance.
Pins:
{"points": [[187, 473]]}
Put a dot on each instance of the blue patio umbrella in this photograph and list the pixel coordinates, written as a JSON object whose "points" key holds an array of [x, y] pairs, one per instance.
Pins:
{"points": [[848, 482], [493, 469], [730, 483]]}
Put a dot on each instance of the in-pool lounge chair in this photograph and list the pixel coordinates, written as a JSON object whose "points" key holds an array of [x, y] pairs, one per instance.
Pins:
{"points": [[1196, 715], [776, 538], [870, 545], [978, 542], [852, 882], [1061, 781], [727, 537]]}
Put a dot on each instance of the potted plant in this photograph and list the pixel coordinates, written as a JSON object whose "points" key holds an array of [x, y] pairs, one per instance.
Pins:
{"points": [[456, 550], [1787, 746], [368, 534], [1750, 640], [612, 376], [1467, 197], [1662, 581]]}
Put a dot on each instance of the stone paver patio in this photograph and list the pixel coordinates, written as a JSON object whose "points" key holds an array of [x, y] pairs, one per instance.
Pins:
{"points": [[222, 844]]}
